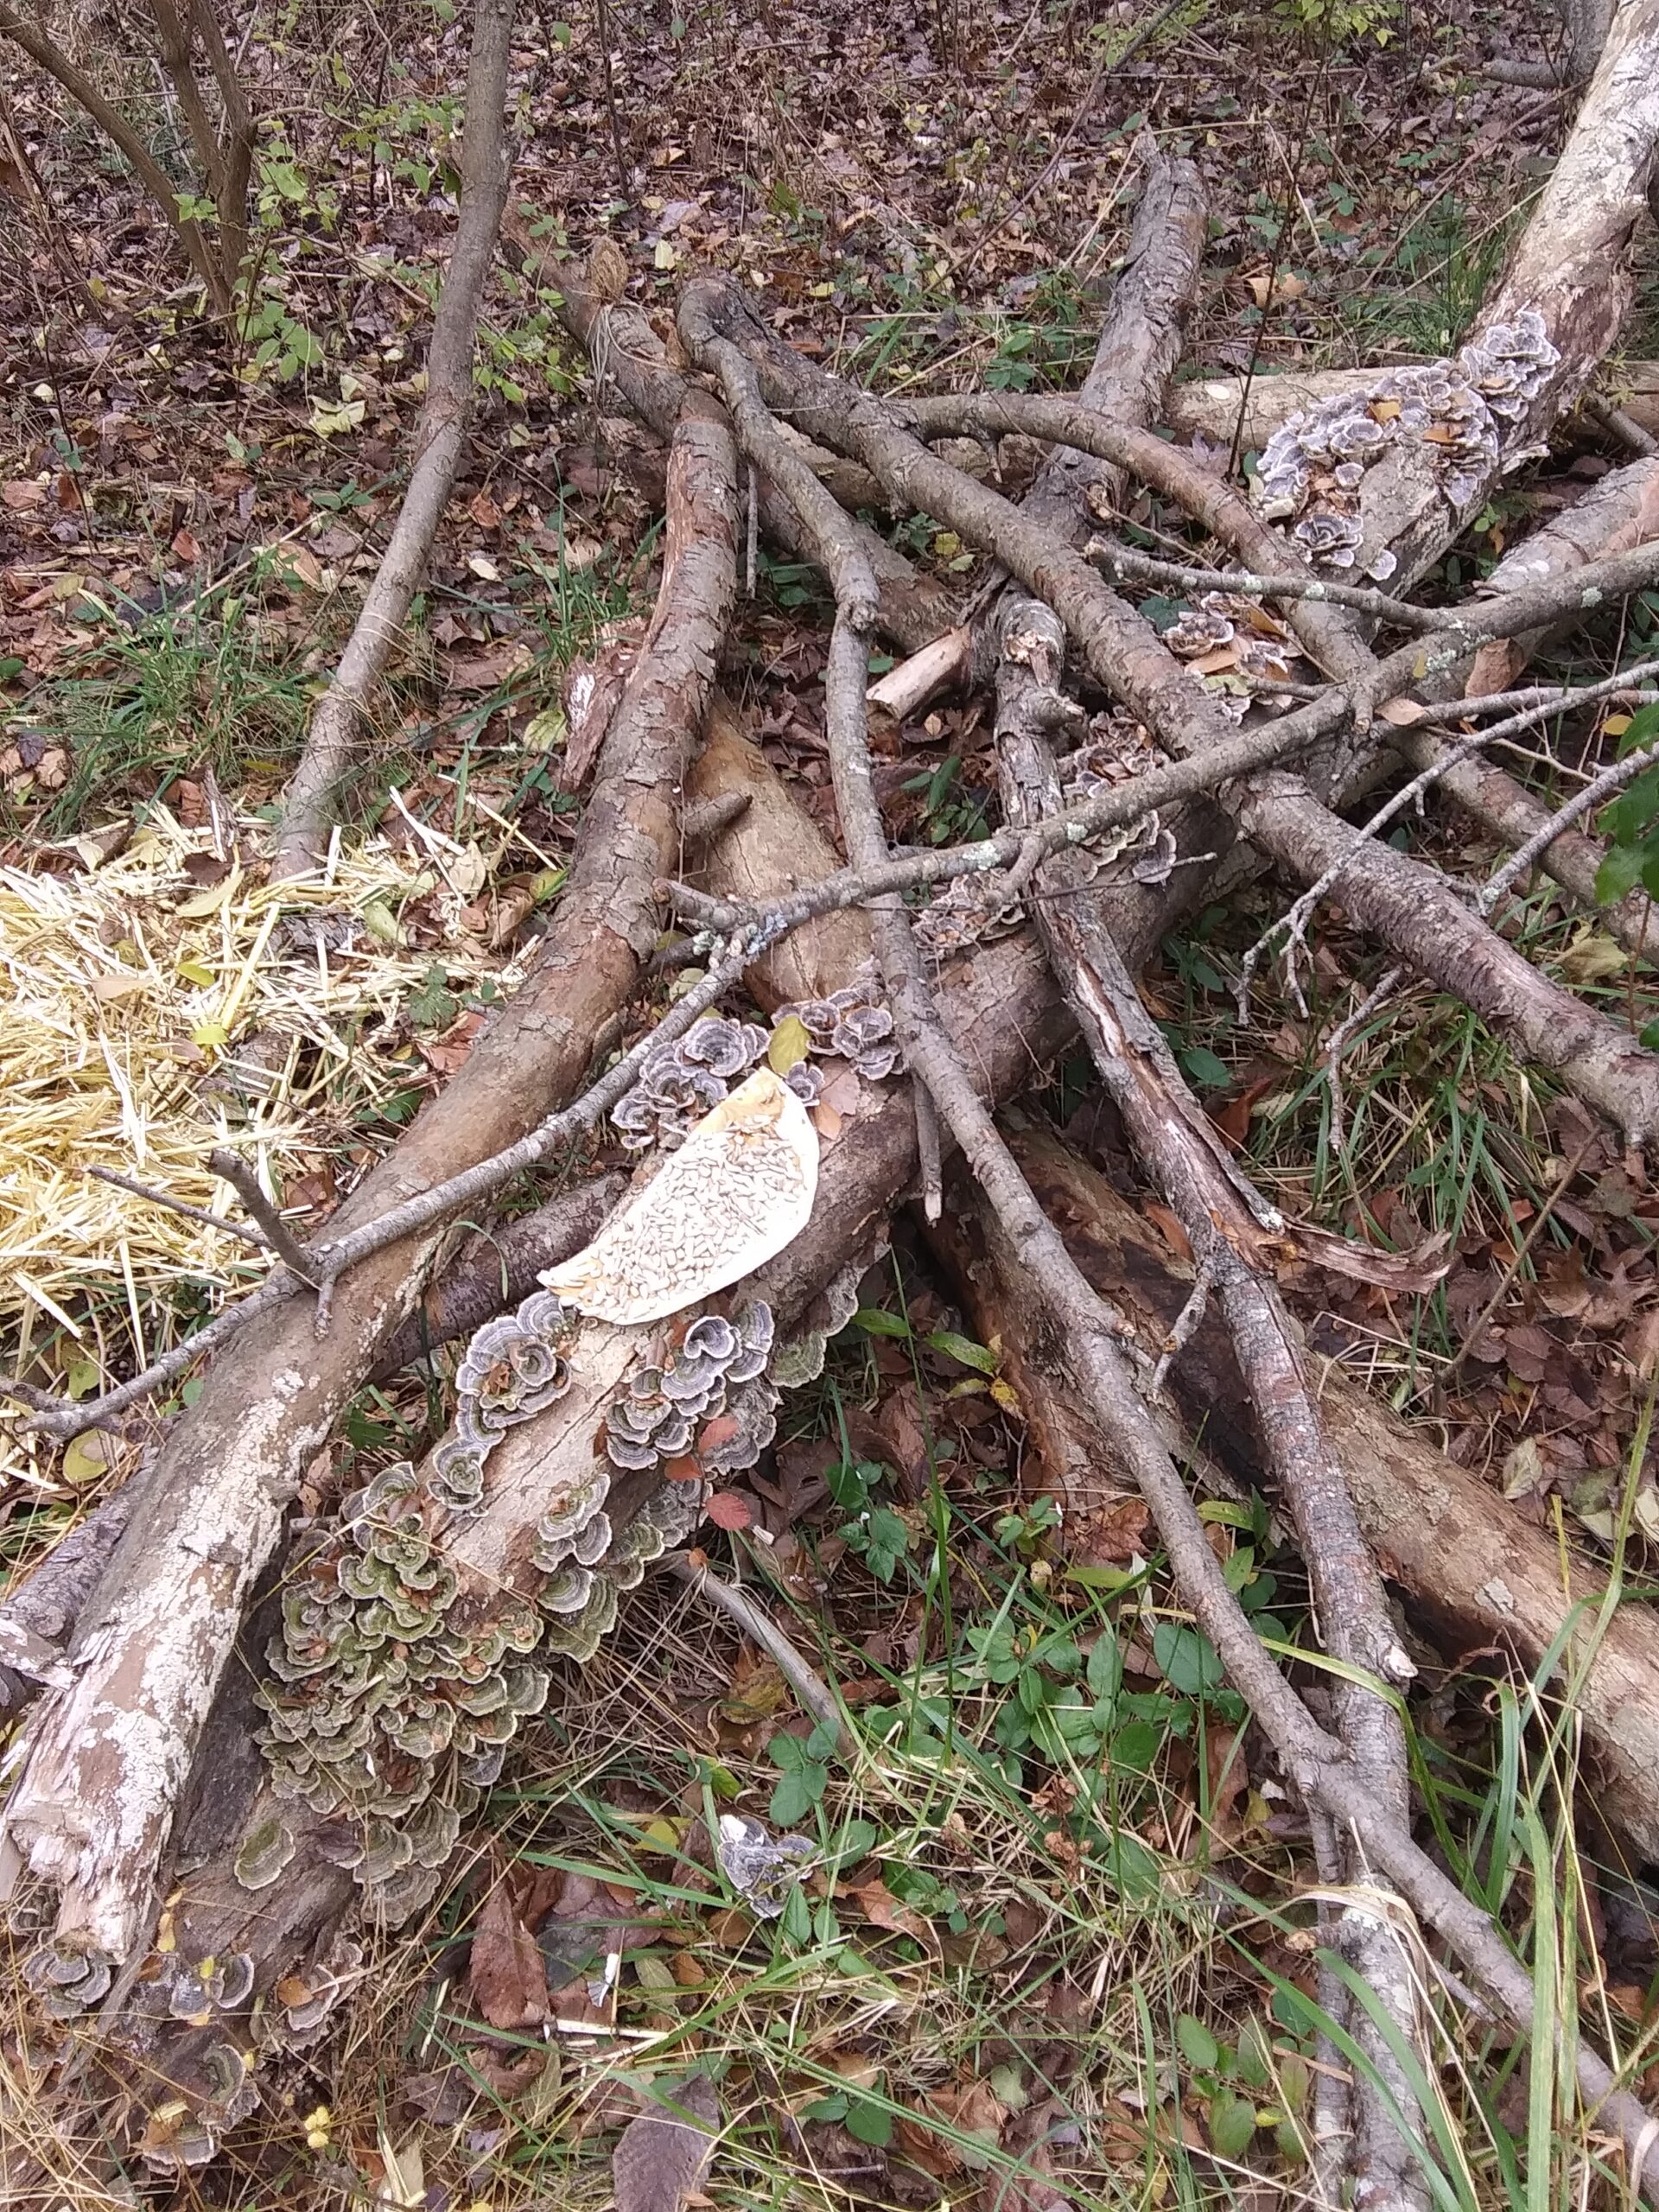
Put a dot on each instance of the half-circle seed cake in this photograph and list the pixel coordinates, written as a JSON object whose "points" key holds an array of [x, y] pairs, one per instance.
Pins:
{"points": [[738, 1190]]}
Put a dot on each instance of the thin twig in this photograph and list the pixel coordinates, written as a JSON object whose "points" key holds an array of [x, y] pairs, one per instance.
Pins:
{"points": [[277, 1234], [1124, 565], [1293, 923], [815, 1695], [1186, 1321], [1340, 1039], [238, 1229], [1599, 788]]}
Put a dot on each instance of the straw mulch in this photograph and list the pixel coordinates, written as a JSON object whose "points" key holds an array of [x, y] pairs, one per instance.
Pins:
{"points": [[127, 985]]}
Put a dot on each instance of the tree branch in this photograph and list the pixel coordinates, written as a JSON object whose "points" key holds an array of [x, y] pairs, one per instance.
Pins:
{"points": [[313, 790]]}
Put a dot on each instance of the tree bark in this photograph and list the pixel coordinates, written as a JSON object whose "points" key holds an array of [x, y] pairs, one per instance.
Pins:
{"points": [[1006, 1018]]}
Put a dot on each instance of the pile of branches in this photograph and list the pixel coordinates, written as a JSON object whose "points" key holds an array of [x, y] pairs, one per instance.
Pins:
{"points": [[136, 1776]]}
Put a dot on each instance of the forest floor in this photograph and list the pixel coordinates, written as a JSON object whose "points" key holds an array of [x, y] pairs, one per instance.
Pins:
{"points": [[978, 1996]]}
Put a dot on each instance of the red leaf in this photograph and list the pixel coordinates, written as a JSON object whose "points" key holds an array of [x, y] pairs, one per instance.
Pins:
{"points": [[729, 1509], [682, 1471], [720, 1430]]}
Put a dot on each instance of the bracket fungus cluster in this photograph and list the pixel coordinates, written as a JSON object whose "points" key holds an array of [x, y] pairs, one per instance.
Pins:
{"points": [[391, 1701], [689, 1078], [1464, 415], [710, 1408]]}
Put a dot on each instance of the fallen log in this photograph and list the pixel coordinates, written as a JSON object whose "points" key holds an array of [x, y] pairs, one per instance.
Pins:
{"points": [[1209, 408], [629, 358], [39, 1607], [1476, 1574], [91, 1809], [265, 1882]]}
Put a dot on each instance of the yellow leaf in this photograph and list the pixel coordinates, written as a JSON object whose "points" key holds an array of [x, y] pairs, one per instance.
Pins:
{"points": [[545, 729], [84, 1459], [1616, 724], [821, 291], [1274, 291], [946, 544], [1593, 958], [381, 922], [1005, 1395], [664, 256], [196, 971], [211, 901], [329, 422], [790, 1045], [210, 1035], [663, 1834]]}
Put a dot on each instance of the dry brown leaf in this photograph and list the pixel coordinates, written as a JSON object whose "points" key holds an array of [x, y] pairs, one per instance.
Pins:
{"points": [[1275, 289], [1228, 1778], [608, 269], [663, 2157], [1403, 713], [844, 1092], [882, 1909], [509, 1981], [1169, 1227]]}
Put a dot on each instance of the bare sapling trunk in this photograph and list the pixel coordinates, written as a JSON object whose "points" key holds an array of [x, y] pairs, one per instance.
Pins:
{"points": [[315, 789]]}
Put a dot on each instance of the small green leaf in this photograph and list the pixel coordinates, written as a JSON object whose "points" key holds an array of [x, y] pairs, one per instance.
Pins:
{"points": [[1134, 1746], [1254, 2066], [1293, 2081], [790, 1801], [1104, 1673], [1231, 2123], [856, 1840], [824, 1741], [80, 1378], [869, 2123], [1187, 1661], [796, 1925], [1201, 1066], [1619, 873], [832, 2106], [876, 1323], [963, 1348], [654, 1972], [1198, 2046], [433, 1005]]}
